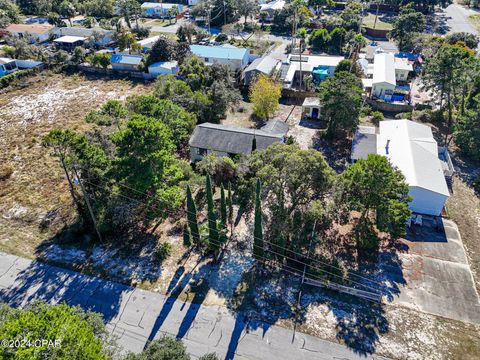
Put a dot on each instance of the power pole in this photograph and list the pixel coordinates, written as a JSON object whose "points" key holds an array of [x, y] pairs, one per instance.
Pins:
{"points": [[87, 201]]}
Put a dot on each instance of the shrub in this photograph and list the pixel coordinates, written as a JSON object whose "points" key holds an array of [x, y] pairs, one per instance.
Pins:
{"points": [[476, 185], [163, 251], [221, 38], [377, 116], [404, 115], [6, 170], [422, 115]]}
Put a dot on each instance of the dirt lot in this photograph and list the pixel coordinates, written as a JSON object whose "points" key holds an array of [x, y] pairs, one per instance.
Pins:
{"points": [[37, 189]]}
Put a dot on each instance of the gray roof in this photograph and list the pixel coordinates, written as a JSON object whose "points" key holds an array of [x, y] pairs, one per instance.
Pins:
{"points": [[276, 127], [364, 142], [126, 59], [264, 65], [79, 31], [230, 139]]}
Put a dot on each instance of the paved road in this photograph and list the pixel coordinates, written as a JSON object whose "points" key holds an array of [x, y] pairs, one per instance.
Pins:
{"points": [[136, 315], [455, 19]]}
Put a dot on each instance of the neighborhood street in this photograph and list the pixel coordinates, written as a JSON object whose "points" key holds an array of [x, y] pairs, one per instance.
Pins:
{"points": [[136, 315], [455, 19]]}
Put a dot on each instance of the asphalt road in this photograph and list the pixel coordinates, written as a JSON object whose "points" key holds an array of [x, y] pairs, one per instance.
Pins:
{"points": [[136, 315], [455, 19]]}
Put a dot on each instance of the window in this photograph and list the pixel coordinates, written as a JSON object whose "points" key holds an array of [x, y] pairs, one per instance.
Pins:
{"points": [[202, 152], [207, 60]]}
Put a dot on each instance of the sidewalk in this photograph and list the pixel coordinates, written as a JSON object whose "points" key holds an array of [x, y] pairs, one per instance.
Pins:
{"points": [[136, 315]]}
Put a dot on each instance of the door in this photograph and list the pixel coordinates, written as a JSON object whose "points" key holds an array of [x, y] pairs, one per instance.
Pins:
{"points": [[315, 113]]}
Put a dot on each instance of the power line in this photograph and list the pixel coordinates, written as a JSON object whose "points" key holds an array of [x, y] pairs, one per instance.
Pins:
{"points": [[349, 272], [151, 218]]}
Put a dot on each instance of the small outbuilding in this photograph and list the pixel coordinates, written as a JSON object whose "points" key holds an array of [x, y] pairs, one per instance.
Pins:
{"points": [[7, 66], [69, 43], [121, 62], [311, 107], [163, 68]]}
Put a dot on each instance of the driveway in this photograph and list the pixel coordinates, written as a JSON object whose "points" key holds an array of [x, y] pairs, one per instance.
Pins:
{"points": [[135, 316], [438, 279]]}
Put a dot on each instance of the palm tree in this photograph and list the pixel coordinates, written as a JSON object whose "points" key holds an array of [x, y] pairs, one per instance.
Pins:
{"points": [[302, 35]]}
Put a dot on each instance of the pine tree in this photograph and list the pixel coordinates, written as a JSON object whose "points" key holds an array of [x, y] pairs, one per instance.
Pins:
{"points": [[230, 204], [187, 242], [223, 208], [192, 217], [212, 219], [257, 229]]}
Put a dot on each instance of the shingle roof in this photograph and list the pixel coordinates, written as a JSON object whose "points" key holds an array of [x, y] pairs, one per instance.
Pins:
{"points": [[264, 64], [276, 127], [231, 139], [218, 52]]}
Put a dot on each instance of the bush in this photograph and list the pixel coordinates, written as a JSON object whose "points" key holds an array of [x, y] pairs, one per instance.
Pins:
{"points": [[142, 32], [166, 348], [422, 115], [221, 38], [8, 79], [404, 115], [6, 170], [476, 185], [163, 251], [377, 116]]}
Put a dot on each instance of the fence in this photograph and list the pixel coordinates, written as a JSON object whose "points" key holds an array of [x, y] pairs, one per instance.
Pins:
{"points": [[114, 73]]}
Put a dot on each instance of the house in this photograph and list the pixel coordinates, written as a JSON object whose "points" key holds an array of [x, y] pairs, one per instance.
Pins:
{"points": [[147, 43], [192, 2], [98, 36], [160, 10], [163, 68], [265, 65], [7, 66], [411, 148], [235, 58], [69, 43], [402, 68], [319, 67], [271, 7], [224, 140], [35, 32], [311, 107], [384, 82], [123, 62]]}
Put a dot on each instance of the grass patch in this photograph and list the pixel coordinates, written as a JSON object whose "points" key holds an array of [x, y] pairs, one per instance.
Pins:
{"points": [[384, 22], [475, 21]]}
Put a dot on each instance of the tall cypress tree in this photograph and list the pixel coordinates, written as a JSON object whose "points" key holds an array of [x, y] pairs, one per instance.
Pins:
{"points": [[223, 208], [212, 219], [192, 217], [254, 144], [230, 204], [257, 229]]}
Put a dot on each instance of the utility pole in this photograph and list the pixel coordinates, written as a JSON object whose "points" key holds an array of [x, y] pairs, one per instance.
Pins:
{"points": [[224, 13], [87, 201]]}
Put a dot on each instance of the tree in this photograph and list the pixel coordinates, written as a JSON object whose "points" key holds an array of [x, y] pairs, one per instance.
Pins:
{"points": [[341, 98], [186, 32], [378, 191], [230, 204], [192, 217], [100, 59], [247, 8], [115, 110], [257, 227], [264, 94], [9, 13], [467, 133], [82, 333], [337, 39], [223, 208], [167, 348], [129, 9], [405, 27], [319, 39], [163, 49], [180, 122], [468, 39], [292, 180], [213, 236], [100, 9], [450, 73], [145, 161], [356, 43], [78, 55], [67, 9], [125, 40]]}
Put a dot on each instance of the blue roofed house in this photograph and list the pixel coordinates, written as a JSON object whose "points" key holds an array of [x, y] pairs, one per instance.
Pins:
{"points": [[123, 62], [235, 58], [161, 10], [163, 68], [7, 66]]}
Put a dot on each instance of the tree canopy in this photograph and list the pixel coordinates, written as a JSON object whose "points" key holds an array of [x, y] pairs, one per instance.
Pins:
{"points": [[265, 94], [406, 26]]}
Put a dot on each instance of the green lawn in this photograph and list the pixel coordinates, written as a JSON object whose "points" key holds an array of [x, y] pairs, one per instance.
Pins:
{"points": [[383, 22]]}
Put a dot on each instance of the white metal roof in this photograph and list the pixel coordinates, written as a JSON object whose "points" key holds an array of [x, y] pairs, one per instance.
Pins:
{"points": [[411, 147], [148, 41], [273, 5], [311, 101], [264, 64], [69, 39], [5, 60], [403, 64], [384, 69]]}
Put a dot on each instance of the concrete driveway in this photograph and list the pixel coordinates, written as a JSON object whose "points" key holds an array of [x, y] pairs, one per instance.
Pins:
{"points": [[136, 316], [438, 279]]}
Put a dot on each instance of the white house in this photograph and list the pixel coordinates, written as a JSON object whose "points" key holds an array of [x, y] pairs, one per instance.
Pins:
{"points": [[96, 35], [123, 62], [163, 68], [161, 10], [271, 7], [235, 58], [410, 147], [147, 43], [318, 66], [384, 82], [36, 32]]}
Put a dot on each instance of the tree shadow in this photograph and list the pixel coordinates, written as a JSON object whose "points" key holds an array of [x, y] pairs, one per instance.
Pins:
{"points": [[37, 281]]}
